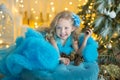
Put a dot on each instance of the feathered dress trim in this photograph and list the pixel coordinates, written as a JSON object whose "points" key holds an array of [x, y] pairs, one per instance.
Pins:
{"points": [[33, 58]]}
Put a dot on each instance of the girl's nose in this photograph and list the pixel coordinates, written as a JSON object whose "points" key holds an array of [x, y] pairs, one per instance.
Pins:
{"points": [[62, 30]]}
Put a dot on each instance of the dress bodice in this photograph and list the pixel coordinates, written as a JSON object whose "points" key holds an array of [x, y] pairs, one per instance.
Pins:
{"points": [[67, 48]]}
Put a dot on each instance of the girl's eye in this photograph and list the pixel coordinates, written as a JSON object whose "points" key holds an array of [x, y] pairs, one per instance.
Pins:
{"points": [[66, 27], [58, 27]]}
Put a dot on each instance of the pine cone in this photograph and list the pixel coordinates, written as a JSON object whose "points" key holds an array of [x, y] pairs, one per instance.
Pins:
{"points": [[72, 56], [78, 60]]}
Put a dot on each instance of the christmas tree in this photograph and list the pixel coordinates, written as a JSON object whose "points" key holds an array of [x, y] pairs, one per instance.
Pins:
{"points": [[103, 16]]}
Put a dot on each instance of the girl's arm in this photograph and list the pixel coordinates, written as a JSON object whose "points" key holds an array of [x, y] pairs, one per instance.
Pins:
{"points": [[88, 33]]}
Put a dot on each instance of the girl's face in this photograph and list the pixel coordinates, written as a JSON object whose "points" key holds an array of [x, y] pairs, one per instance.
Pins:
{"points": [[64, 28]]}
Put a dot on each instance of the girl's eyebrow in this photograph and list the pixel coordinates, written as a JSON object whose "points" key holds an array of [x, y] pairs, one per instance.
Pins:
{"points": [[58, 26]]}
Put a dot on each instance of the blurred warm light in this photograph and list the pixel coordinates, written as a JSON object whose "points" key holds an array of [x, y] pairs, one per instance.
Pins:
{"points": [[93, 15], [86, 0], [87, 15], [93, 18], [51, 3], [91, 4], [99, 38], [70, 3], [17, 0], [34, 12], [15, 10], [1, 12], [50, 15], [53, 9], [111, 41], [101, 42], [21, 1], [80, 10], [105, 46], [1, 41], [88, 23], [36, 17], [79, 0], [32, 9], [4, 28], [92, 21], [22, 6], [36, 26], [66, 8], [3, 16], [115, 35], [7, 46], [36, 2], [90, 7], [84, 3], [82, 22], [79, 5], [35, 23], [95, 36]]}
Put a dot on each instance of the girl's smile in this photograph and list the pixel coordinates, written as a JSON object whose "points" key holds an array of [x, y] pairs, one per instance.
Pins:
{"points": [[64, 28]]}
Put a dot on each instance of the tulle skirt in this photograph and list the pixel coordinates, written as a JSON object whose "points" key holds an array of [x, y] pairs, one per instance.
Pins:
{"points": [[33, 58]]}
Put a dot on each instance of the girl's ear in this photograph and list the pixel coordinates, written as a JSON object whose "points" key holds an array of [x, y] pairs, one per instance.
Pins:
{"points": [[74, 28]]}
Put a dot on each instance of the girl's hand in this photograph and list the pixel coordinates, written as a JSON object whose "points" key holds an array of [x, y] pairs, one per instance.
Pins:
{"points": [[88, 33], [66, 61]]}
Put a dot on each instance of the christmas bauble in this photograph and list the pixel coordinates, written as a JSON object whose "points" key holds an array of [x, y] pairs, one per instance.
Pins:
{"points": [[112, 14]]}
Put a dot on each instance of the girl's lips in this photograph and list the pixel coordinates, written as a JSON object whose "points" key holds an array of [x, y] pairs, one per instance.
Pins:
{"points": [[62, 35]]}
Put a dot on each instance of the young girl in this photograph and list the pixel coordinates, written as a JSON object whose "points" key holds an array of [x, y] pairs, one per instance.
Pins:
{"points": [[32, 57], [66, 40], [63, 29]]}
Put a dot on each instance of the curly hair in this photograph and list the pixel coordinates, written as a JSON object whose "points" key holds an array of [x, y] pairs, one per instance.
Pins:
{"points": [[68, 15]]}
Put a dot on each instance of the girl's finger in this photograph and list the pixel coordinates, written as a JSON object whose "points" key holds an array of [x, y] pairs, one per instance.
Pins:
{"points": [[88, 31]]}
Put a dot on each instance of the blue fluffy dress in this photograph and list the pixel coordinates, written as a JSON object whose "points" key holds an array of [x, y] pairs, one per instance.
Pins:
{"points": [[34, 58]]}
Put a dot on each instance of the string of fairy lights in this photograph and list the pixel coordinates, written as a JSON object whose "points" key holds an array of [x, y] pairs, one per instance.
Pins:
{"points": [[42, 12]]}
